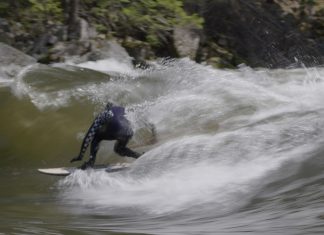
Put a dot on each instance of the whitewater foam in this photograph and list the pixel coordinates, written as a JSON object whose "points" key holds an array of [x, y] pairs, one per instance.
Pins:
{"points": [[221, 134], [110, 66]]}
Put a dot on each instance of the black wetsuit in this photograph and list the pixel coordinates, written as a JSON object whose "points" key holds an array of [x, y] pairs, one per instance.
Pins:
{"points": [[111, 124]]}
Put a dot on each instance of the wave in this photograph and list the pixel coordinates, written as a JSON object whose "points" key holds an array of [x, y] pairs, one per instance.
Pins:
{"points": [[224, 137]]}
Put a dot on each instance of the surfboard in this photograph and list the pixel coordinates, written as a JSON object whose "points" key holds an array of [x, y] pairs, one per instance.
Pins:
{"points": [[65, 171]]}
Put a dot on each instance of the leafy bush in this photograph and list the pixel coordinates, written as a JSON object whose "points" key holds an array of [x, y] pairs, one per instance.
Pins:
{"points": [[156, 18], [33, 15], [46, 10], [4, 8], [147, 20]]}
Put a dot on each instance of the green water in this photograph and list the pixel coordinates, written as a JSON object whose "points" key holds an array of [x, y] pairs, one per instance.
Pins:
{"points": [[238, 151]]}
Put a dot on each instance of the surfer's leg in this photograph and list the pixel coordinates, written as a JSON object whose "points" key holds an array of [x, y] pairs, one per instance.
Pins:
{"points": [[122, 150], [93, 153], [94, 150]]}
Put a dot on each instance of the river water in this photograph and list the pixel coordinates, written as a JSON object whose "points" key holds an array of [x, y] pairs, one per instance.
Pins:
{"points": [[234, 151]]}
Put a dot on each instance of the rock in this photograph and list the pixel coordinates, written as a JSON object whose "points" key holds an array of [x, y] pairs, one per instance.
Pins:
{"points": [[5, 35], [86, 32], [12, 56], [139, 50], [53, 46], [6, 38], [261, 32], [40, 46], [105, 49], [52, 39], [213, 54], [66, 51], [4, 25], [80, 30], [91, 50], [12, 61], [186, 41]]}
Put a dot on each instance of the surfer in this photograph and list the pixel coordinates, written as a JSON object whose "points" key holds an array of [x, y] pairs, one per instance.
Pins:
{"points": [[111, 124]]}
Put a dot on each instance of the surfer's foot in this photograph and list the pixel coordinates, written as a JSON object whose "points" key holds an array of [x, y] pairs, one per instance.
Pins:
{"points": [[86, 165], [136, 155], [77, 158]]}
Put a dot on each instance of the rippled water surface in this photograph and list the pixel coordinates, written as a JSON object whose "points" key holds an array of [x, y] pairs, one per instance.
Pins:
{"points": [[234, 151]]}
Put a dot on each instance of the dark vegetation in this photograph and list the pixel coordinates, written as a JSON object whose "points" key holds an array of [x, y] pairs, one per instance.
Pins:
{"points": [[223, 33]]}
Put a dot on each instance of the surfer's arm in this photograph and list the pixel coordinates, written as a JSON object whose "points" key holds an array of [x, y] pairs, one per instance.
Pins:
{"points": [[88, 138], [96, 125], [86, 141]]}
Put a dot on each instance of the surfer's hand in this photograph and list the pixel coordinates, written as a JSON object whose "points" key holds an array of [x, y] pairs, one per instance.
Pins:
{"points": [[77, 158]]}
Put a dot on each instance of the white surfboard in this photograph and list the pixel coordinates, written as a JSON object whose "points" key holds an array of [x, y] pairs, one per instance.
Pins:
{"points": [[64, 171]]}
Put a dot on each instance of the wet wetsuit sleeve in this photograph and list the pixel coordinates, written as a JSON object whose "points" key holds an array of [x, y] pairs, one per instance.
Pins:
{"points": [[100, 120]]}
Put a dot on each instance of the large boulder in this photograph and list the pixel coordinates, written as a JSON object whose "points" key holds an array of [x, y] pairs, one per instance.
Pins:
{"points": [[12, 60], [5, 34], [106, 49], [67, 51], [186, 41], [213, 54], [261, 32], [86, 32], [53, 45], [12, 56], [139, 50], [91, 50]]}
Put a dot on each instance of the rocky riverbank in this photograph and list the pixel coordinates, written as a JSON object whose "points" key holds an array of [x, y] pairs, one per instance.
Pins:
{"points": [[259, 33]]}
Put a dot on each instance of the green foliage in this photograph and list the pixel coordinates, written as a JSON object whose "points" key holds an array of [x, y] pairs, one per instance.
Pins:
{"points": [[4, 8], [46, 10], [32, 15], [148, 20], [156, 18], [308, 2], [103, 14]]}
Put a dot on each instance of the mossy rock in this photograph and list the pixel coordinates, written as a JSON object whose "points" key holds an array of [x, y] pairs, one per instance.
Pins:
{"points": [[139, 50]]}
